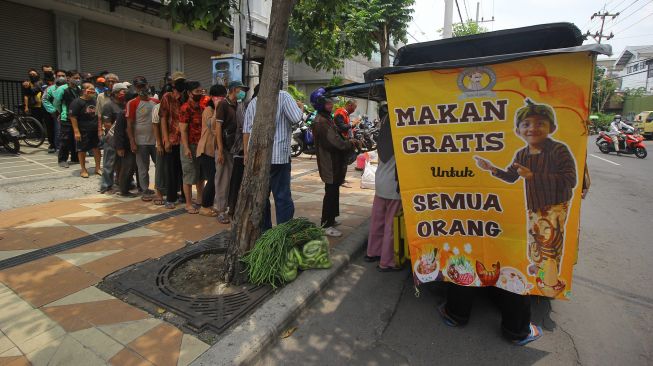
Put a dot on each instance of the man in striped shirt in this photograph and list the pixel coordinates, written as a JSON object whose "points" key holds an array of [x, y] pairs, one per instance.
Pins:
{"points": [[288, 112], [549, 172]]}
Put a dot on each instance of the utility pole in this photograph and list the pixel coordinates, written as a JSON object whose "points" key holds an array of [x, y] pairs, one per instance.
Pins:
{"points": [[598, 36], [447, 30]]}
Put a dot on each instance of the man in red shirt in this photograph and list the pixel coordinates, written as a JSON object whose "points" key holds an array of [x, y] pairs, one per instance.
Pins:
{"points": [[169, 121], [141, 135], [190, 124]]}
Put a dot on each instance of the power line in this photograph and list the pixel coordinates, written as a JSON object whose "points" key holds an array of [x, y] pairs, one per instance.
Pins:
{"points": [[616, 6], [465, 5], [628, 16], [598, 36], [637, 22], [459, 13], [629, 5]]}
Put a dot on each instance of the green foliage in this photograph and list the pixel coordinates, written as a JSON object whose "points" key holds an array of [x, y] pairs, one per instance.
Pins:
{"points": [[603, 89], [468, 28], [208, 15], [296, 93], [336, 80], [603, 123], [325, 32], [634, 92]]}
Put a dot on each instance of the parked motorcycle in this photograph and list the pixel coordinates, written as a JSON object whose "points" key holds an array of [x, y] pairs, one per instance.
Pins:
{"points": [[31, 130], [302, 140], [9, 134], [367, 133], [633, 143]]}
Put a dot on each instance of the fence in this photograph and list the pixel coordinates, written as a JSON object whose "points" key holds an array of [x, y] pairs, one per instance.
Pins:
{"points": [[11, 94], [635, 105]]}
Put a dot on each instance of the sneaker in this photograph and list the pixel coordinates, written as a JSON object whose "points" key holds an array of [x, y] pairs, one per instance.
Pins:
{"points": [[63, 164], [332, 232]]}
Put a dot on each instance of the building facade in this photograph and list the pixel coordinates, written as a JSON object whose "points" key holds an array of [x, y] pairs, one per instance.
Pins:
{"points": [[635, 68]]}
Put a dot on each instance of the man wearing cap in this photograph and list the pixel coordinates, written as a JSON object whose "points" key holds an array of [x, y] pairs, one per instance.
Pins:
{"points": [[111, 110], [288, 112], [171, 136], [225, 133], [141, 135], [63, 96]]}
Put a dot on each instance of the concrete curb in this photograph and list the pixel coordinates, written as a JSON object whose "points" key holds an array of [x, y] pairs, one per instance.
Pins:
{"points": [[243, 343]]}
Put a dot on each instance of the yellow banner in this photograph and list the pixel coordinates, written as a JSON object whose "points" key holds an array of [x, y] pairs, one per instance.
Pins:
{"points": [[490, 162]]}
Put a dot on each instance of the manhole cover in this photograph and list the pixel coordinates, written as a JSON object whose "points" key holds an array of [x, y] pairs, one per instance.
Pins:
{"points": [[150, 281]]}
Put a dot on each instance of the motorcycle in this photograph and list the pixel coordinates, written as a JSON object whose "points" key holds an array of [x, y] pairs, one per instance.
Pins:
{"points": [[633, 143], [31, 130], [9, 134], [367, 133], [302, 140]]}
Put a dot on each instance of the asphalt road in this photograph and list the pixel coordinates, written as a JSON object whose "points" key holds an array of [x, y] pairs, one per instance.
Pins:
{"points": [[369, 318]]}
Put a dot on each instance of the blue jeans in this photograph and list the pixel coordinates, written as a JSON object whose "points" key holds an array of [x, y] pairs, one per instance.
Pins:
{"points": [[280, 188], [108, 167]]}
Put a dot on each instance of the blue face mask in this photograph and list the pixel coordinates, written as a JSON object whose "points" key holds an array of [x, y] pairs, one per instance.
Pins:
{"points": [[241, 95]]}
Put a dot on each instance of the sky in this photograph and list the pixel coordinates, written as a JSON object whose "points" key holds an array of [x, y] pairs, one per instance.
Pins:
{"points": [[633, 27]]}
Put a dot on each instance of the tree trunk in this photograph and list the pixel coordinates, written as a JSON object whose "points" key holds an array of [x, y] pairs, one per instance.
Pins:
{"points": [[384, 47], [254, 190]]}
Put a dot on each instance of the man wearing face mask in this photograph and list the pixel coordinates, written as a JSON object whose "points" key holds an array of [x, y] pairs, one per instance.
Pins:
{"points": [[63, 96], [141, 135], [50, 112], [82, 118], [170, 134], [225, 133], [32, 93], [111, 111]]}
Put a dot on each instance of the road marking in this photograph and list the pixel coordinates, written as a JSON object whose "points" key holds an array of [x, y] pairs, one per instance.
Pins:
{"points": [[33, 175], [600, 158], [41, 164]]}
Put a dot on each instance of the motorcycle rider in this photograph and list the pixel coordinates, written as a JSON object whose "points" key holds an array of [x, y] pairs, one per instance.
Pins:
{"points": [[615, 131]]}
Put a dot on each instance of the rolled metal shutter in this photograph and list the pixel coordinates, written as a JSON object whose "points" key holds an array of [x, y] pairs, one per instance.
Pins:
{"points": [[28, 40], [197, 64], [123, 52]]}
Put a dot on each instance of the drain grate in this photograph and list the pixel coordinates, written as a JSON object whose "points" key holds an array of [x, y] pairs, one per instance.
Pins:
{"points": [[150, 281], [74, 243]]}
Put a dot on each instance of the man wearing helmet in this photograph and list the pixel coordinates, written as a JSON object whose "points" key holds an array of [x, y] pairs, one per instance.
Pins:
{"points": [[615, 130]]}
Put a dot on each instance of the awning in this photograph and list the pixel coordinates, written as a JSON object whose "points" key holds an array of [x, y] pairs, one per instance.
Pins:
{"points": [[374, 90]]}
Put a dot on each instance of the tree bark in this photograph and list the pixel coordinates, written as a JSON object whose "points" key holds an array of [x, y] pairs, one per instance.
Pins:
{"points": [[384, 47], [254, 190]]}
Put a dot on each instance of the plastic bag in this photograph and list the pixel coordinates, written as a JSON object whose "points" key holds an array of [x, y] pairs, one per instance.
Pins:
{"points": [[369, 175], [360, 161]]}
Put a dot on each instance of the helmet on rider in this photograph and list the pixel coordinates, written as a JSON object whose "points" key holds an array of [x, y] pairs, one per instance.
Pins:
{"points": [[617, 117]]}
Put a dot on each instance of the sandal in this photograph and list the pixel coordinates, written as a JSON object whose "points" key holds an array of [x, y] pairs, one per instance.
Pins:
{"points": [[374, 258], [223, 218], [146, 198], [446, 318], [159, 201], [98, 171], [535, 334], [192, 211], [169, 205], [207, 211], [83, 174]]}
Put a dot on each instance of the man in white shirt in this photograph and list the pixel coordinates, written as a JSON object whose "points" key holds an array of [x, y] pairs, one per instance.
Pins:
{"points": [[288, 112], [615, 131]]}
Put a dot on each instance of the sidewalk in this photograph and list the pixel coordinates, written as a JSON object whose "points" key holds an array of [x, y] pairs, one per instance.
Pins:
{"points": [[52, 313]]}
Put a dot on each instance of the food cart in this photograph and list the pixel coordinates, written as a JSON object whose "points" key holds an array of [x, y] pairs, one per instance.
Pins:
{"points": [[490, 137]]}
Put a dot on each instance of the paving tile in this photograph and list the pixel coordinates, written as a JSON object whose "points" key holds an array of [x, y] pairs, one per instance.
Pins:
{"points": [[107, 265], [12, 306], [6, 254], [42, 340], [5, 343], [11, 352], [89, 294], [104, 219], [46, 280], [79, 259], [85, 213], [29, 214], [191, 348], [76, 317], [188, 227], [128, 331], [98, 246], [96, 228], [28, 325], [98, 342], [136, 217], [127, 357], [160, 345], [19, 239], [14, 361], [137, 233], [94, 205], [44, 223], [44, 355], [130, 207], [71, 352]]}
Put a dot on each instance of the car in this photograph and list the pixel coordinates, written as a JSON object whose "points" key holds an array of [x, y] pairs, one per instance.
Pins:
{"points": [[644, 123]]}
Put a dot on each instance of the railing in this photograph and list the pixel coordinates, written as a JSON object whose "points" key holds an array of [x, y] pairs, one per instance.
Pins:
{"points": [[11, 94]]}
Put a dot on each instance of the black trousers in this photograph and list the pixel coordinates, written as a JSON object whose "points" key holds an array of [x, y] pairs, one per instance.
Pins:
{"points": [[330, 204], [49, 123], [127, 170], [515, 309], [207, 170], [234, 184], [68, 146], [174, 177]]}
